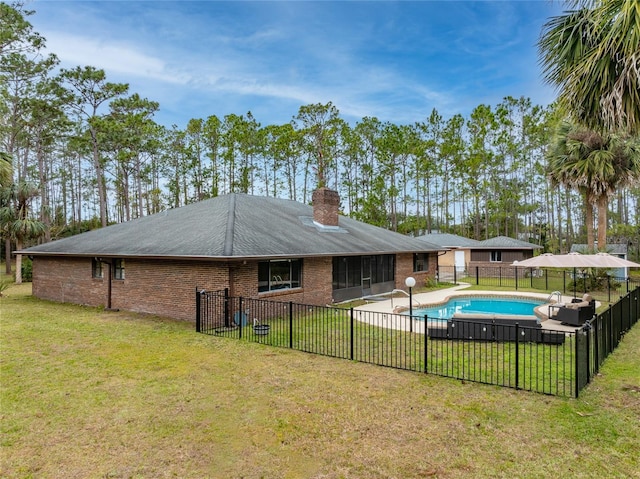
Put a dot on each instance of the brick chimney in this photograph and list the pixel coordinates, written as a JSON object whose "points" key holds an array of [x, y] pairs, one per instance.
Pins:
{"points": [[325, 206]]}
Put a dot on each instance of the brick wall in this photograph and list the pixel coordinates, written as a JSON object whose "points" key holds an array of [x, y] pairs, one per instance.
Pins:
{"points": [[404, 268], [325, 206], [68, 280], [150, 286], [168, 287]]}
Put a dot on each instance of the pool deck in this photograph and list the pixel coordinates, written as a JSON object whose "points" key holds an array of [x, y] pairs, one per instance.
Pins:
{"points": [[427, 299]]}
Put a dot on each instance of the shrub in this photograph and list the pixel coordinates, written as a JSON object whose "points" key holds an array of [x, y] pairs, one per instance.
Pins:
{"points": [[4, 284], [27, 270], [596, 280]]}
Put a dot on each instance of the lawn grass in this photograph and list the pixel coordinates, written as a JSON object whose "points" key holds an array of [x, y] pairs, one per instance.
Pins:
{"points": [[88, 393], [547, 368]]}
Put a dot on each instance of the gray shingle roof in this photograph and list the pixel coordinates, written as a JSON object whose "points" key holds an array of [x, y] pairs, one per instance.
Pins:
{"points": [[504, 242], [234, 226], [449, 240]]}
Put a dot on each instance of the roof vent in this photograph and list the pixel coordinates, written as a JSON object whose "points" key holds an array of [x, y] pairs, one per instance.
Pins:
{"points": [[325, 206]]}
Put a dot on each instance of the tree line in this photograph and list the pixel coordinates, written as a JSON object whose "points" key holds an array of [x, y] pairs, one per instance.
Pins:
{"points": [[82, 152]]}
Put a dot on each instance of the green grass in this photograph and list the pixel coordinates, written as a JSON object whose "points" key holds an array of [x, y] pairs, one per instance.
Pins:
{"points": [[94, 394], [546, 368]]}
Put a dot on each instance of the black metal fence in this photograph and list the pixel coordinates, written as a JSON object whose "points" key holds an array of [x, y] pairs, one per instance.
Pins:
{"points": [[511, 355], [601, 336], [603, 286]]}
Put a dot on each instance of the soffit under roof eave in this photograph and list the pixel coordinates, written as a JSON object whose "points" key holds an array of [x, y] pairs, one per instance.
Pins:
{"points": [[211, 258], [505, 248]]}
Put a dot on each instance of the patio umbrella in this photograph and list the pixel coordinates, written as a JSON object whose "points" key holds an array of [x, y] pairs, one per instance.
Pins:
{"points": [[576, 260], [605, 260], [547, 260]]}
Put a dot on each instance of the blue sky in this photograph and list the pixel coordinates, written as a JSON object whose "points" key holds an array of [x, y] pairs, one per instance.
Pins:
{"points": [[392, 60]]}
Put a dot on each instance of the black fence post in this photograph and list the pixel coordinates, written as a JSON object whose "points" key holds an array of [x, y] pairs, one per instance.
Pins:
{"points": [[611, 332], [577, 366], [198, 324], [351, 334], [290, 324], [240, 317], [516, 269], [596, 342], [608, 288], [546, 279], [226, 308], [587, 330], [517, 356], [477, 275], [531, 277], [426, 330]]}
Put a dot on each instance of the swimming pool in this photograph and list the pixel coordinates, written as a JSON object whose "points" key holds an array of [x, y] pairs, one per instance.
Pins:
{"points": [[483, 305]]}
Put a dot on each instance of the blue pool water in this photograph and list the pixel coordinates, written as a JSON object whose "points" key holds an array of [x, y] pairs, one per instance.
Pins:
{"points": [[497, 305]]}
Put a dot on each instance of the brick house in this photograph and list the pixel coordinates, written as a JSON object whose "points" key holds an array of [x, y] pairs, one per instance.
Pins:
{"points": [[457, 254], [468, 255], [258, 247], [500, 251]]}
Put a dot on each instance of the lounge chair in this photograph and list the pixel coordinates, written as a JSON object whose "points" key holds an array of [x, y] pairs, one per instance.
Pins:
{"points": [[578, 311]]}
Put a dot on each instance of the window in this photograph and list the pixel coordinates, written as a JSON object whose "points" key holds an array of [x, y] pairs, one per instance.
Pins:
{"points": [[496, 256], [383, 268], [347, 272], [350, 271], [118, 269], [96, 268], [279, 274], [420, 261]]}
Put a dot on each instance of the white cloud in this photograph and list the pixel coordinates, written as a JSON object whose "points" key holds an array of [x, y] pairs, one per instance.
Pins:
{"points": [[111, 57], [396, 62]]}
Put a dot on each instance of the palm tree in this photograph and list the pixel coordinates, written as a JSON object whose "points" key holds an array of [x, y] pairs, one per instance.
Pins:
{"points": [[6, 182], [592, 55], [596, 165], [6, 169], [15, 221]]}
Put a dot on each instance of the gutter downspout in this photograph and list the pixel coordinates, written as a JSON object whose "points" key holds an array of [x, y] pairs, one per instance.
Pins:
{"points": [[109, 264]]}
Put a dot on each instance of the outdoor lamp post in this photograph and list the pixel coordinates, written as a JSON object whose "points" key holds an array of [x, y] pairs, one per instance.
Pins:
{"points": [[410, 282]]}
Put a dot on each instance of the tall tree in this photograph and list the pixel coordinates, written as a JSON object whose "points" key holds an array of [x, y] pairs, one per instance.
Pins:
{"points": [[432, 172], [129, 130], [16, 33], [592, 55], [597, 166], [6, 182], [46, 122], [16, 220], [479, 164], [89, 90], [320, 125], [212, 137]]}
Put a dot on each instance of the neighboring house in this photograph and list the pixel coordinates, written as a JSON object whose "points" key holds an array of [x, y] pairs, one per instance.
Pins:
{"points": [[614, 249], [258, 247], [500, 251], [458, 250], [468, 254]]}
